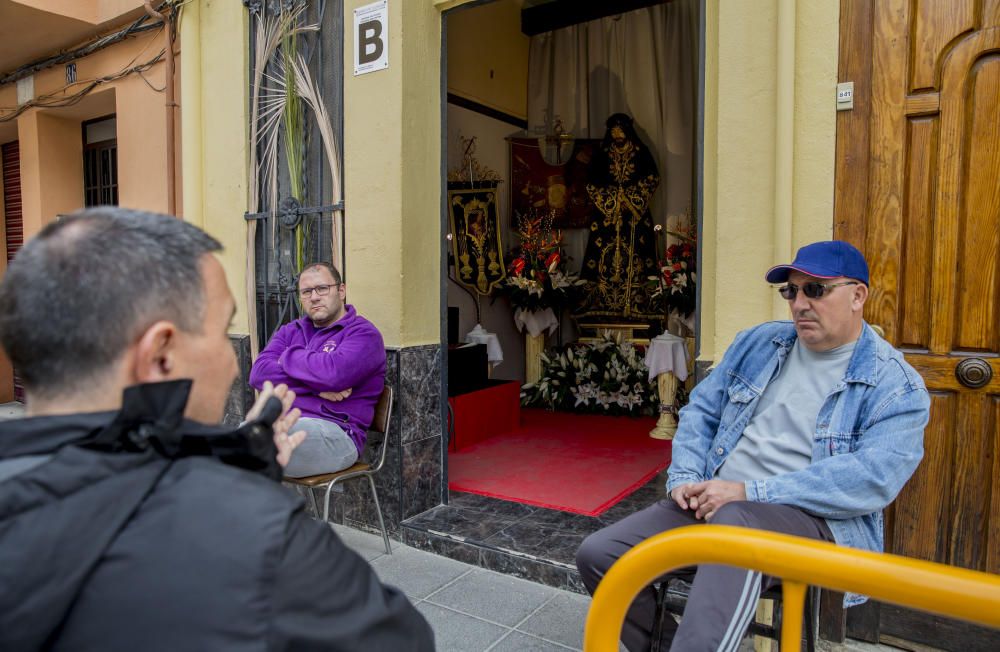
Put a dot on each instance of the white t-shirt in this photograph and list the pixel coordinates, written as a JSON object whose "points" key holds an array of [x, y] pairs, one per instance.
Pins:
{"points": [[779, 437]]}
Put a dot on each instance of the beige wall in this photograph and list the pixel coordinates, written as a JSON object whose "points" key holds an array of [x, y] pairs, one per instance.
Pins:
{"points": [[51, 140], [770, 70], [392, 178], [488, 56], [214, 123]]}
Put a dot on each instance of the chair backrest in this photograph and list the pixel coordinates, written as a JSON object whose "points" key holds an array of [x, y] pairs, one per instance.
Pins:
{"points": [[380, 424], [383, 410]]}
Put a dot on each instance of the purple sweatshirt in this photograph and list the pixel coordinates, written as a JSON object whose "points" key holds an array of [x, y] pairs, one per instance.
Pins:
{"points": [[348, 353]]}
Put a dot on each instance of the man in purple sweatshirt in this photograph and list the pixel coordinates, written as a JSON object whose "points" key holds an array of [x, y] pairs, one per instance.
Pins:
{"points": [[334, 361]]}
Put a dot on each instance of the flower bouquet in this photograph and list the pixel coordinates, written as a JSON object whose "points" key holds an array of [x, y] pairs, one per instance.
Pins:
{"points": [[675, 287], [536, 277], [606, 377]]}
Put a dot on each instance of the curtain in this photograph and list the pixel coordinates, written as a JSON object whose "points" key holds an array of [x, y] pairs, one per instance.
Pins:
{"points": [[643, 63]]}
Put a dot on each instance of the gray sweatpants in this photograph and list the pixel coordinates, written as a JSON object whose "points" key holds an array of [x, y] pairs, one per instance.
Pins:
{"points": [[327, 448], [723, 599]]}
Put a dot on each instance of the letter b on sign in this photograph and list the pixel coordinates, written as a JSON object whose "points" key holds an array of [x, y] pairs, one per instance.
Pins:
{"points": [[370, 44], [371, 38]]}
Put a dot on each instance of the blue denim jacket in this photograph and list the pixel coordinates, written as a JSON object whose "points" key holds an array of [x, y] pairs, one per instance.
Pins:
{"points": [[868, 440]]}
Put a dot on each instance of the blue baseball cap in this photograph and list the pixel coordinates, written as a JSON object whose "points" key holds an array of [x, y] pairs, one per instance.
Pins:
{"points": [[828, 259]]}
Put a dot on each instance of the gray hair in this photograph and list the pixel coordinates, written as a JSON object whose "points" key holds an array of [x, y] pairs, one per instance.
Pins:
{"points": [[79, 293]]}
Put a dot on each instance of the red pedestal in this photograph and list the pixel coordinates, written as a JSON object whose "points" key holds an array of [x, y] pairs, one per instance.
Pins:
{"points": [[485, 412]]}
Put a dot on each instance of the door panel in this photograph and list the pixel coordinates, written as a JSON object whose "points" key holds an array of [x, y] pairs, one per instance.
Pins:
{"points": [[924, 206]]}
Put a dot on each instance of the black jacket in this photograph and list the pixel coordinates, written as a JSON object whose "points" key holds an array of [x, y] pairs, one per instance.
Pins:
{"points": [[140, 531]]}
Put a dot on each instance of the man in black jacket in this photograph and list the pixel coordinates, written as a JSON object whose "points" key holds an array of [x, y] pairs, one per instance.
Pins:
{"points": [[126, 522]]}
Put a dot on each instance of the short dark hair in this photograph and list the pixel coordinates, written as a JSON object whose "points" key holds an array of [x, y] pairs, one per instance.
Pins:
{"points": [[77, 294], [328, 267]]}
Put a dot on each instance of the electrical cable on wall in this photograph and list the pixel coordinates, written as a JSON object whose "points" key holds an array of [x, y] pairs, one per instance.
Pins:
{"points": [[56, 100], [88, 48]]}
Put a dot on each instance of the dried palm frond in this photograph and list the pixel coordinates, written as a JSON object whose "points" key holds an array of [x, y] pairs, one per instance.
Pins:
{"points": [[309, 93], [264, 120]]}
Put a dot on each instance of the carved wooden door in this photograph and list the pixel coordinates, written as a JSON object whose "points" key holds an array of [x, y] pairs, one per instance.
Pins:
{"points": [[918, 190]]}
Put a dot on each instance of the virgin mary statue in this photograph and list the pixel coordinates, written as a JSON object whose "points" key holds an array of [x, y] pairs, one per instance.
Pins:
{"points": [[621, 250]]}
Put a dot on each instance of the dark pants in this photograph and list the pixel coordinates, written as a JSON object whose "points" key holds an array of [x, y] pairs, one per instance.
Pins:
{"points": [[723, 599]]}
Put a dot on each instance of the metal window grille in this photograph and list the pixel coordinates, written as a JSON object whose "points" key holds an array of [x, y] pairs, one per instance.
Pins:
{"points": [[312, 213]]}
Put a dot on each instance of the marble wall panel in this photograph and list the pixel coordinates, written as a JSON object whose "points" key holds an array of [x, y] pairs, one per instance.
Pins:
{"points": [[532, 569], [420, 392], [701, 369], [241, 395], [422, 475], [443, 546]]}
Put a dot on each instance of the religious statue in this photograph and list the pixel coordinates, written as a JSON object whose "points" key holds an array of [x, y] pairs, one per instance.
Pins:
{"points": [[621, 247]]}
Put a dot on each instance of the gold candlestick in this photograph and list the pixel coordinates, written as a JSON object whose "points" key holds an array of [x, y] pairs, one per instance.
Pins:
{"points": [[666, 426]]}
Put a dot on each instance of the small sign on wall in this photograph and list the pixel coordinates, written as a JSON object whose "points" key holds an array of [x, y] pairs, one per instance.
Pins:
{"points": [[371, 38]]}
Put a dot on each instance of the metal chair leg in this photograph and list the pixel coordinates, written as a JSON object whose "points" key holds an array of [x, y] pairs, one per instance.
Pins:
{"points": [[312, 499], [381, 522], [812, 601], [326, 501], [661, 613]]}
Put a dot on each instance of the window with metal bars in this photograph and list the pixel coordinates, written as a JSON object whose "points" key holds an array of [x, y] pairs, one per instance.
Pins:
{"points": [[100, 162]]}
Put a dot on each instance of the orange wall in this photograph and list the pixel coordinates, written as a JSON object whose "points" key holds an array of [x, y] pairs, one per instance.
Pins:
{"points": [[51, 141], [91, 11]]}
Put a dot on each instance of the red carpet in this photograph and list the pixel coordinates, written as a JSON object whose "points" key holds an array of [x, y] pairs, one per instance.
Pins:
{"points": [[571, 462]]}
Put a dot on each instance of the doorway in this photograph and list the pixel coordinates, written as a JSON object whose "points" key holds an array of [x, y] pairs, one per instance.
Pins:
{"points": [[520, 142]]}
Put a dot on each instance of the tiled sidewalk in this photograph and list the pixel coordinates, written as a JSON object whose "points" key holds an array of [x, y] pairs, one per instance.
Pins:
{"points": [[472, 609]]}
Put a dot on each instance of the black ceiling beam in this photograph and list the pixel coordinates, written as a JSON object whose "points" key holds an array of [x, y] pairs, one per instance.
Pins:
{"points": [[563, 13]]}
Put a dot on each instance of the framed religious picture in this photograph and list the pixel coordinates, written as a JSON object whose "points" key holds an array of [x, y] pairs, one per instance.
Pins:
{"points": [[475, 228], [551, 179]]}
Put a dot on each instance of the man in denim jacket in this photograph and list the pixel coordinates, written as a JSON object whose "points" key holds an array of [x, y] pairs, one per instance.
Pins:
{"points": [[809, 427]]}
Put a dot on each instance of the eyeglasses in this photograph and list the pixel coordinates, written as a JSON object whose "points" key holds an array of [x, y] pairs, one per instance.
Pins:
{"points": [[320, 290], [812, 290]]}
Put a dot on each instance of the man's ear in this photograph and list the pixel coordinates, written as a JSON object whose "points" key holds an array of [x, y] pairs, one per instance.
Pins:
{"points": [[860, 296], [155, 353]]}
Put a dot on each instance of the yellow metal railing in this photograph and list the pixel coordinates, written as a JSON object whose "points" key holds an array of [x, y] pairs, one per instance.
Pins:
{"points": [[937, 588]]}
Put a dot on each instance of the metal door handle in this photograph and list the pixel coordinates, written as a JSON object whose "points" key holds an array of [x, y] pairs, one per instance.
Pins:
{"points": [[974, 372]]}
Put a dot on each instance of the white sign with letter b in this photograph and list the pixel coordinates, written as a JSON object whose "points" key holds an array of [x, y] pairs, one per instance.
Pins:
{"points": [[371, 38]]}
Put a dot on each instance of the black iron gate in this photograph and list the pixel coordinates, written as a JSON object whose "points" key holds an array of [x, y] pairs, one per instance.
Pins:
{"points": [[299, 216]]}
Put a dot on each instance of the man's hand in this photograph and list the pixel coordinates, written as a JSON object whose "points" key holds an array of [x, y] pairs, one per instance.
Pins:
{"points": [[707, 497], [336, 396], [680, 495], [284, 442]]}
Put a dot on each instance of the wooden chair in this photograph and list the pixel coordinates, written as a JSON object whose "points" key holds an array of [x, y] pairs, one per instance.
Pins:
{"points": [[380, 424], [671, 597]]}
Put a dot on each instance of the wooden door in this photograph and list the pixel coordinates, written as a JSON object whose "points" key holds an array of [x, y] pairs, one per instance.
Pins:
{"points": [[918, 190]]}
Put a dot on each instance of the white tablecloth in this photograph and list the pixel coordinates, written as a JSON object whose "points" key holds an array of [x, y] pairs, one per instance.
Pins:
{"points": [[536, 321], [479, 335], [667, 352]]}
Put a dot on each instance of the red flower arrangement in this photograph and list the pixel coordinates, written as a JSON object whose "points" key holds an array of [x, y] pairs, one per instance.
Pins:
{"points": [[537, 276], [676, 284]]}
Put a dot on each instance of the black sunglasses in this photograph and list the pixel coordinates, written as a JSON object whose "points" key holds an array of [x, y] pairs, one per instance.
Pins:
{"points": [[812, 290]]}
